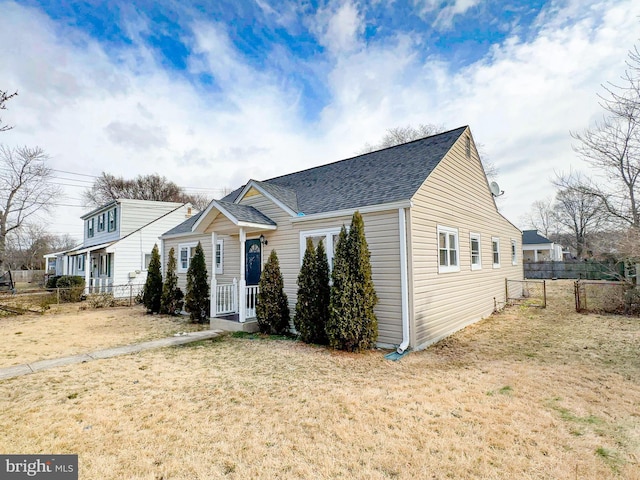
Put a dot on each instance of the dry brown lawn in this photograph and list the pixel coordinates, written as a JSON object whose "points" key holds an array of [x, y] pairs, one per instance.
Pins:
{"points": [[525, 394], [66, 329]]}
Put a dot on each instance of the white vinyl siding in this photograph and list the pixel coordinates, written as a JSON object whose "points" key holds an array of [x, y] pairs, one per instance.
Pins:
{"points": [[476, 249], [495, 251], [448, 250], [455, 194]]}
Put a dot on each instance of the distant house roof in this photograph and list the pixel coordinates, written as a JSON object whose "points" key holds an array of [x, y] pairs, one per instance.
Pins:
{"points": [[530, 237], [383, 176]]}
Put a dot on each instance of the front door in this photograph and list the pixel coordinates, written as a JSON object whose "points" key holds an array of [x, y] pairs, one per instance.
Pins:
{"points": [[253, 261]]}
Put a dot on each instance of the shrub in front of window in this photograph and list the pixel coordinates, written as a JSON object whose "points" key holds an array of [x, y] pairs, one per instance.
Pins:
{"points": [[272, 308], [172, 297], [71, 288], [197, 297], [153, 286], [313, 295], [352, 324]]}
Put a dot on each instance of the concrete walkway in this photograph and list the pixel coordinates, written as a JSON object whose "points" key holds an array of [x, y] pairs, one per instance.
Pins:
{"points": [[24, 369]]}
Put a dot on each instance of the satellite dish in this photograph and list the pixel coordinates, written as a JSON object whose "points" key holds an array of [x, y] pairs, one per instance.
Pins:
{"points": [[495, 189]]}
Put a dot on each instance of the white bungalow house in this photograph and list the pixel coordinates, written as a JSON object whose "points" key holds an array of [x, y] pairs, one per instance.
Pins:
{"points": [[118, 239], [440, 250], [537, 248]]}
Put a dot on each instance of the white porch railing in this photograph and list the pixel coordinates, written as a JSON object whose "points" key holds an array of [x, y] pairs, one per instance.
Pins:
{"points": [[100, 285], [227, 299], [252, 300]]}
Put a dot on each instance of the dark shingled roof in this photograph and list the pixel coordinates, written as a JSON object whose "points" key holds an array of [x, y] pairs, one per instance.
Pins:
{"points": [[245, 213], [184, 227], [530, 237], [383, 176]]}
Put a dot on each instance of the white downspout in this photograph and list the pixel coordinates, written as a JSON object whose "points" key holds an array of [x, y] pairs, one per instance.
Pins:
{"points": [[214, 283], [404, 280], [242, 286]]}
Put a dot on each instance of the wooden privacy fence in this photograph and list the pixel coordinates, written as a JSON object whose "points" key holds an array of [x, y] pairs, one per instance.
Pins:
{"points": [[27, 276], [532, 293], [574, 270]]}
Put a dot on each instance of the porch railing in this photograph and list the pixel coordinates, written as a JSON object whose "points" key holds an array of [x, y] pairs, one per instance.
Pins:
{"points": [[100, 285], [252, 300], [227, 299]]}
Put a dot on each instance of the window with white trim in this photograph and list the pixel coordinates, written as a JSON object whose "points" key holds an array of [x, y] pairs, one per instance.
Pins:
{"points": [[186, 251], [90, 227], [495, 249], [329, 237], [146, 261], [111, 220], [514, 252], [476, 257], [219, 256], [101, 222], [105, 265], [448, 250], [80, 263]]}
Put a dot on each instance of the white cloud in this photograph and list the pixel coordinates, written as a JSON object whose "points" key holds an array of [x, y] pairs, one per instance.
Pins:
{"points": [[122, 112], [445, 13]]}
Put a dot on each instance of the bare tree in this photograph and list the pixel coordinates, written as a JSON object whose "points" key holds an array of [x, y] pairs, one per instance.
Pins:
{"points": [[24, 189], [397, 135], [579, 212], [27, 245], [4, 97], [612, 147], [108, 187], [542, 217]]}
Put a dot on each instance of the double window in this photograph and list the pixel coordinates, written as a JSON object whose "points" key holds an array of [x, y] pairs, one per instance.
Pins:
{"points": [[329, 239], [448, 250]]}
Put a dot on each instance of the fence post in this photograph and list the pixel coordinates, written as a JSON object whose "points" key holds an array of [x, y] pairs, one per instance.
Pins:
{"points": [[544, 294], [506, 291], [58, 294], [130, 295]]}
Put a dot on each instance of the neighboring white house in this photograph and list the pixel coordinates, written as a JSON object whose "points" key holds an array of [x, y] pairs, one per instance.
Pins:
{"points": [[440, 250], [536, 248], [118, 239]]}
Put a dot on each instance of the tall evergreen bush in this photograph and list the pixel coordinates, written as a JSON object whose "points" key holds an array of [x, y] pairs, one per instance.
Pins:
{"points": [[272, 309], [152, 292], [172, 297], [323, 296], [197, 297], [306, 314], [352, 324]]}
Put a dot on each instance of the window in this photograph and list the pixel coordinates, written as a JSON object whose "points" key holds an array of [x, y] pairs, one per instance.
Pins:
{"points": [[112, 220], [105, 265], [329, 238], [219, 257], [79, 260], [101, 222], [146, 260], [448, 251], [90, 223], [186, 253], [467, 146], [495, 247], [514, 255], [476, 259]]}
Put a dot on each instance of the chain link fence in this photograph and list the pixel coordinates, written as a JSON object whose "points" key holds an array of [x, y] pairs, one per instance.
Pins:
{"points": [[532, 293], [607, 297], [38, 302]]}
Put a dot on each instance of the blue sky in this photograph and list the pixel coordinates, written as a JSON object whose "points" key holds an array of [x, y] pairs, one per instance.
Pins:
{"points": [[210, 94]]}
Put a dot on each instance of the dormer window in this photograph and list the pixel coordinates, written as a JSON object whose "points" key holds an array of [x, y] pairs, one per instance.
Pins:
{"points": [[101, 222], [90, 227]]}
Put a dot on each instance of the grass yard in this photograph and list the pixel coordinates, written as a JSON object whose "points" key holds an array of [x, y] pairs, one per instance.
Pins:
{"points": [[66, 329], [525, 394]]}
